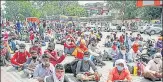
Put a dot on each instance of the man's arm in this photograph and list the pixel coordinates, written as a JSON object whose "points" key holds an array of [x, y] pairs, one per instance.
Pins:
{"points": [[40, 51], [148, 66], [36, 72], [78, 67], [14, 58], [28, 54], [128, 77], [110, 76]]}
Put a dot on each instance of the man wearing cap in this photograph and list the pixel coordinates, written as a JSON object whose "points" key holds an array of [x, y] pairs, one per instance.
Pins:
{"points": [[54, 58], [57, 76], [153, 70], [19, 58], [36, 47]]}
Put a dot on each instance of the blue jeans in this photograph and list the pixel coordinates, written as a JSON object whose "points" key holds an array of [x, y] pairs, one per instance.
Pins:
{"points": [[108, 44], [68, 51]]}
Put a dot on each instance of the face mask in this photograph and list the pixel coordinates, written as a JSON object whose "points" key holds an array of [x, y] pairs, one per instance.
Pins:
{"points": [[21, 50], [50, 50], [120, 68], [93, 44], [59, 75], [34, 57], [140, 48], [86, 58], [157, 60], [36, 44]]}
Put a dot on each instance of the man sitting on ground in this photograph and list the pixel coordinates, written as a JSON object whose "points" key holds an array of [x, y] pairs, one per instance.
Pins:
{"points": [[153, 70], [83, 69], [19, 58], [31, 64], [58, 75], [43, 69]]}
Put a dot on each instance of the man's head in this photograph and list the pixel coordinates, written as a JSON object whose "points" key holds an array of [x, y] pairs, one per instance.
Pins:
{"points": [[51, 47], [120, 64], [36, 43], [160, 38], [34, 55], [45, 60], [94, 43], [86, 56], [22, 47], [59, 71], [157, 57]]}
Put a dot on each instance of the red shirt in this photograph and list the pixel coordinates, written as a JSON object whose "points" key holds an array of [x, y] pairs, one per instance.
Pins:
{"points": [[114, 75], [69, 36], [5, 35], [32, 36], [121, 39], [55, 58], [37, 49], [20, 57]]}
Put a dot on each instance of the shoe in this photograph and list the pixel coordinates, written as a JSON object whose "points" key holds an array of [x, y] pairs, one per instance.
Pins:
{"points": [[30, 76]]}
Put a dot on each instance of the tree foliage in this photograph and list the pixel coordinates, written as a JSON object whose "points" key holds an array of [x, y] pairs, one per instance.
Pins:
{"points": [[131, 11], [22, 9]]}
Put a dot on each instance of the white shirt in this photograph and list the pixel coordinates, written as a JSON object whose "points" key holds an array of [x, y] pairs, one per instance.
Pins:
{"points": [[153, 67]]}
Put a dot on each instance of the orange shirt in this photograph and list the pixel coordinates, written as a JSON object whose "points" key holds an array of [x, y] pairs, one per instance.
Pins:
{"points": [[114, 75]]}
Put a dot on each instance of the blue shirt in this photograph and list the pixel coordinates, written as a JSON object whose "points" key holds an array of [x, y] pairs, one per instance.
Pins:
{"points": [[42, 72], [18, 25]]}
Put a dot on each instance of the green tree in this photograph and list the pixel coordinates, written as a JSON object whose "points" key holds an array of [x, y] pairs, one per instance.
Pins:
{"points": [[131, 11], [22, 9]]}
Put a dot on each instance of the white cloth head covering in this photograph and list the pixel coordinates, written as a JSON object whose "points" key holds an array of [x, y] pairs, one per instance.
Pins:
{"points": [[56, 79], [121, 61], [157, 55]]}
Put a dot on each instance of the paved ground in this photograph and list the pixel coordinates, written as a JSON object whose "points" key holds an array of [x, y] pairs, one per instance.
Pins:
{"points": [[8, 74]]}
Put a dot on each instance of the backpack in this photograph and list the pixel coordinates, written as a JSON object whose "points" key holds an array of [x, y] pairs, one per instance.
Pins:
{"points": [[74, 66], [71, 67], [2, 60]]}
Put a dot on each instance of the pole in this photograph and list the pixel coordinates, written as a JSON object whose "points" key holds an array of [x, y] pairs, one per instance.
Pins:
{"points": [[162, 16]]}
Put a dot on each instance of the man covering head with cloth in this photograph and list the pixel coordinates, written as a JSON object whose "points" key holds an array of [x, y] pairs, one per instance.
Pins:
{"points": [[58, 75], [119, 72], [153, 70]]}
